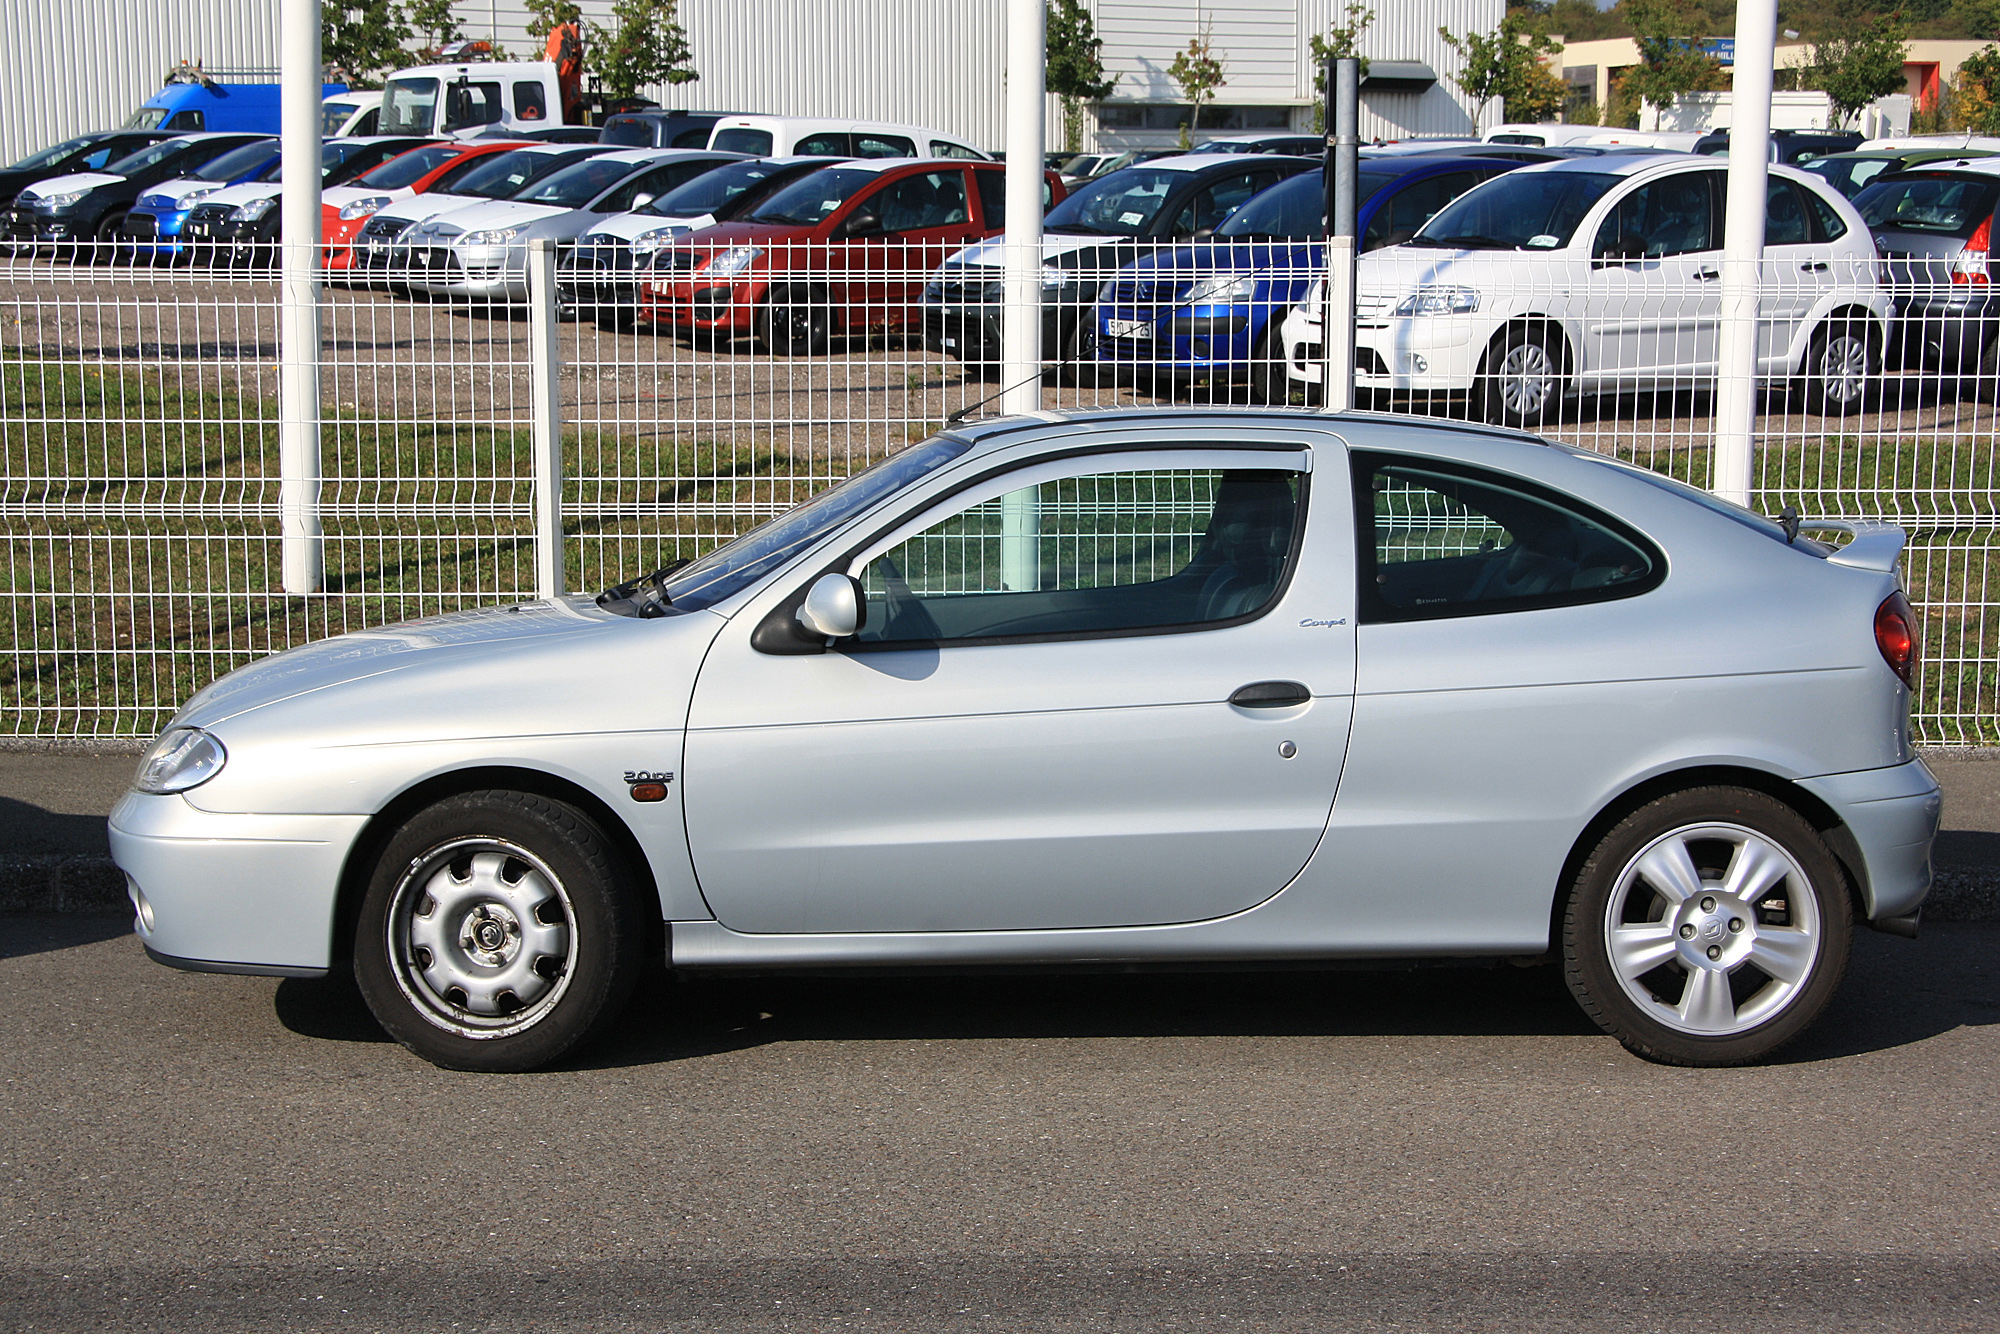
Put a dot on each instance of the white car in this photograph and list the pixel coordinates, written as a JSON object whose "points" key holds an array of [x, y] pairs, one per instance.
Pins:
{"points": [[1602, 275], [384, 240]]}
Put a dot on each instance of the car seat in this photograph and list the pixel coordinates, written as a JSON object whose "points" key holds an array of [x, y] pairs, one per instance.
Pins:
{"points": [[1249, 535]]}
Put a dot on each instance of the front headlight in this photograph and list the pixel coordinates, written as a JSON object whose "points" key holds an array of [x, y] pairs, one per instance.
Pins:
{"points": [[193, 197], [253, 210], [645, 243], [1223, 291], [1439, 301], [1054, 276], [57, 203], [362, 208], [182, 758], [494, 236], [733, 261]]}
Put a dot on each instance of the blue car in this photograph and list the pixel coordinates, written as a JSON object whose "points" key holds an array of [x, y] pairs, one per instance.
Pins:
{"points": [[152, 229], [1213, 309]]}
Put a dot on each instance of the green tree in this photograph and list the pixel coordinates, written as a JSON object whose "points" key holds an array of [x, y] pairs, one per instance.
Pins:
{"points": [[1198, 72], [1341, 42], [1669, 34], [434, 22], [1074, 71], [1508, 65], [646, 46], [1975, 93], [1859, 60], [364, 39], [546, 14]]}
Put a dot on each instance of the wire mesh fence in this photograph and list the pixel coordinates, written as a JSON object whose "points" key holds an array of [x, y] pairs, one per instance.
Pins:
{"points": [[705, 385]]}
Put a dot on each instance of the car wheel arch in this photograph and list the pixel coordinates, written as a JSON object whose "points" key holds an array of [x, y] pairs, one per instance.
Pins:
{"points": [[381, 827], [1847, 313], [1828, 825]]}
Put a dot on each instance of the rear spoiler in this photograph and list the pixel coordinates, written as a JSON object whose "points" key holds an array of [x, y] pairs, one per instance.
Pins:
{"points": [[1873, 545]]}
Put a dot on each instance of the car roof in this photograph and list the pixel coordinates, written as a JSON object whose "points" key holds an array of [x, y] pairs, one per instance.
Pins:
{"points": [[1411, 163], [987, 432], [1623, 164], [1976, 166], [1203, 161], [892, 163]]}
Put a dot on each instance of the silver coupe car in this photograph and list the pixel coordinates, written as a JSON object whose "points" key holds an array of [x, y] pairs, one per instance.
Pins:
{"points": [[1165, 688]]}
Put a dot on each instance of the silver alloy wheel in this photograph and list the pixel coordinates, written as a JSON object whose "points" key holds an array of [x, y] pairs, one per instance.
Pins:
{"points": [[1527, 376], [480, 937], [1712, 929], [1844, 369]]}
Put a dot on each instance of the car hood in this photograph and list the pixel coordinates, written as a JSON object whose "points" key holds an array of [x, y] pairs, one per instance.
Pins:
{"points": [[340, 196], [726, 234], [422, 208], [626, 226], [1400, 269], [993, 250], [245, 194], [62, 185], [165, 193], [485, 217], [458, 637]]}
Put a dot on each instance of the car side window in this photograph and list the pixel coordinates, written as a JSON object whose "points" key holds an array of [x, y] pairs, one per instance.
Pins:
{"points": [[1440, 540], [1668, 216], [530, 102], [473, 104], [187, 120], [1101, 554], [1831, 225], [1214, 202], [831, 144], [925, 199], [1785, 221], [883, 145], [94, 159], [946, 148]]}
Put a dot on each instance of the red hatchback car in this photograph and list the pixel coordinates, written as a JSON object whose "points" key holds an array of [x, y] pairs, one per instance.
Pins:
{"points": [[846, 250]]}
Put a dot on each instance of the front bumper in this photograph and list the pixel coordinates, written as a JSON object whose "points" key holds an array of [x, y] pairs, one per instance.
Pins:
{"points": [[487, 273], [148, 235], [26, 226], [1893, 816], [232, 893], [972, 331]]}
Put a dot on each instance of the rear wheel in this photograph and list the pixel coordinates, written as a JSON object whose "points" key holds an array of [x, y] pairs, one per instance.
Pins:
{"points": [[1843, 362], [1709, 927], [1521, 380]]}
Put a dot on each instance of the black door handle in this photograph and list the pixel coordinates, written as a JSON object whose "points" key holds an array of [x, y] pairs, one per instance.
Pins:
{"points": [[1270, 695], [1706, 275], [1815, 267]]}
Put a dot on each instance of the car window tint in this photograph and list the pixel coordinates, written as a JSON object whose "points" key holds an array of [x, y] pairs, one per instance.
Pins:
{"points": [[1831, 225], [946, 148], [882, 145], [993, 197], [1214, 202], [1404, 210], [825, 145], [366, 126], [472, 104], [757, 143], [188, 120], [926, 199], [1942, 205], [1785, 215], [1436, 540], [1105, 553], [1669, 216], [694, 138]]}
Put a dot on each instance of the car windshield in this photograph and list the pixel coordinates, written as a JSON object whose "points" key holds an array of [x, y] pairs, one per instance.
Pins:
{"points": [[240, 162], [729, 569], [51, 157], [816, 198], [575, 186], [333, 115], [509, 174], [1296, 209], [712, 190], [408, 106], [631, 132], [1939, 205], [1848, 174], [167, 150], [1523, 210], [1123, 203], [407, 170]]}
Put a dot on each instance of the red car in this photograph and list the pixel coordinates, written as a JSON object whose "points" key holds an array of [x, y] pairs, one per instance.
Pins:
{"points": [[845, 250], [344, 211]]}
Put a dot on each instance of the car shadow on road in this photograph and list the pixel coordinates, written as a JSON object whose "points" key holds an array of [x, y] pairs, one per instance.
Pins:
{"points": [[25, 933]]}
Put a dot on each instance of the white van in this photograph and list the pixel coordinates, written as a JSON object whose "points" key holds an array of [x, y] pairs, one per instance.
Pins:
{"points": [[1540, 136], [350, 115], [786, 136]]}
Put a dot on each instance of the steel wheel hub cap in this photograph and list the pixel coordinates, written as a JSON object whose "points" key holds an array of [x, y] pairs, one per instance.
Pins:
{"points": [[1712, 929], [1525, 377]]}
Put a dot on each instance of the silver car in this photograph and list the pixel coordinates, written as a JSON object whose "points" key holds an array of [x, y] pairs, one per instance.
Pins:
{"points": [[1179, 687]]}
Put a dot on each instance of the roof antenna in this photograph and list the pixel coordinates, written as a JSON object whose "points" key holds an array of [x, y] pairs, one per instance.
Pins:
{"points": [[970, 408], [1788, 519]]}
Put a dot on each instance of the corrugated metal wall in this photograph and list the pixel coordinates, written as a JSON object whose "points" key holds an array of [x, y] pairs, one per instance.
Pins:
{"points": [[75, 65]]}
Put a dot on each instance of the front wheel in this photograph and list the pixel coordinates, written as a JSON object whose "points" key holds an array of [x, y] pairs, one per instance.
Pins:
{"points": [[498, 931], [795, 325], [1709, 927], [1844, 360], [1521, 380]]}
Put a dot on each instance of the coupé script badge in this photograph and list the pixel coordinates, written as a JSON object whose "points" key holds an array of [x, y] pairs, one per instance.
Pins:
{"points": [[1311, 624]]}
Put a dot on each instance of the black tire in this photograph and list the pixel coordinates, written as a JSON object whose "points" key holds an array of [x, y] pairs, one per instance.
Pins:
{"points": [[1079, 365], [1520, 380], [103, 247], [793, 324], [1664, 953], [1843, 362], [1986, 381], [531, 942], [1269, 380]]}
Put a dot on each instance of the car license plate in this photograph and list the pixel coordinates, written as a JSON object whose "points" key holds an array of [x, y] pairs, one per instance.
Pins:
{"points": [[1128, 328], [950, 342]]}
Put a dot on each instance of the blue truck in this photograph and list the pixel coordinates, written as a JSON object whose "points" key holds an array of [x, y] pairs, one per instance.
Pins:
{"points": [[193, 99]]}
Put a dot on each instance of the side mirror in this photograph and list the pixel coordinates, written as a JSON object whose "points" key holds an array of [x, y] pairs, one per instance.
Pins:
{"points": [[862, 223], [641, 200], [834, 606]]}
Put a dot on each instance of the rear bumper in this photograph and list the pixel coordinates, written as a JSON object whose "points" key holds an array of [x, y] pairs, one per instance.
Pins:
{"points": [[1893, 816]]}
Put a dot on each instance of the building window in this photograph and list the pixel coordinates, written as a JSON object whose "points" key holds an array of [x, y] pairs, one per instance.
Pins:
{"points": [[1174, 115]]}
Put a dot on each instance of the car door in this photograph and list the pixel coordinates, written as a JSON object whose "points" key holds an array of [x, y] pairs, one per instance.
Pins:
{"points": [[1797, 269], [1034, 728], [1652, 297], [896, 235]]}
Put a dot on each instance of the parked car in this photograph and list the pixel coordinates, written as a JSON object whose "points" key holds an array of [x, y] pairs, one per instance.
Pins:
{"points": [[842, 251], [1540, 136], [382, 246], [786, 136], [660, 128], [152, 230], [241, 225], [86, 152], [602, 272], [548, 134], [1090, 166], [1850, 173], [1933, 227], [80, 215], [345, 209], [482, 251], [1081, 691], [1794, 146], [353, 113], [1092, 234], [1214, 308], [1600, 276], [1295, 145]]}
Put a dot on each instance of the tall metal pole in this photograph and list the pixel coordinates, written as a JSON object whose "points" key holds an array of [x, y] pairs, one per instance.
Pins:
{"points": [[1021, 313], [299, 315], [1343, 81], [1743, 248], [545, 421]]}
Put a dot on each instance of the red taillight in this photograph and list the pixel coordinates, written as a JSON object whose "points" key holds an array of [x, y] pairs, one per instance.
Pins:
{"points": [[1971, 264], [1896, 636]]}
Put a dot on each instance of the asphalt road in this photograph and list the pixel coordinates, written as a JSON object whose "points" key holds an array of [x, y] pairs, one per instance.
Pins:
{"points": [[1448, 1149]]}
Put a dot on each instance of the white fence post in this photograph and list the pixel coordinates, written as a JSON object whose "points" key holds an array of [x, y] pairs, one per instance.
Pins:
{"points": [[1021, 316], [1743, 249], [545, 416], [301, 557]]}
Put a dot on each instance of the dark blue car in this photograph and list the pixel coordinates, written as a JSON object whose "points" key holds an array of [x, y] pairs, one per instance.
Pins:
{"points": [[152, 230], [1213, 309]]}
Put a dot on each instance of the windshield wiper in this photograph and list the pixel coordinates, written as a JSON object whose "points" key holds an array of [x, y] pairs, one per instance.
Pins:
{"points": [[1462, 242], [646, 596]]}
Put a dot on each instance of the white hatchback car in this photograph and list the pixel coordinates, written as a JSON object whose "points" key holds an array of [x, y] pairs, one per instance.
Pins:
{"points": [[1602, 275]]}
